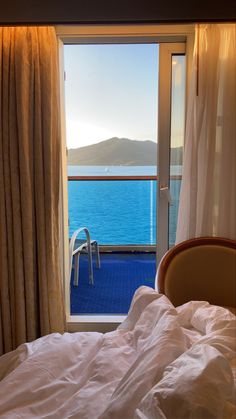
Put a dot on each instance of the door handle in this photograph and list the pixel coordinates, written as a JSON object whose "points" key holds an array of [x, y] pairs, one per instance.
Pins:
{"points": [[166, 192]]}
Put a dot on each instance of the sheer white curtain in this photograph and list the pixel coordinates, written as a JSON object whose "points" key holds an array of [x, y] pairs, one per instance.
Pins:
{"points": [[208, 192]]}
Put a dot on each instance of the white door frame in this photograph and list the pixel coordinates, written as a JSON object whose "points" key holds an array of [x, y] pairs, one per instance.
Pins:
{"points": [[105, 34], [166, 50]]}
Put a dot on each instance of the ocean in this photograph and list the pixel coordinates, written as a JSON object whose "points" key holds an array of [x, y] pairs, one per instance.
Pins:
{"points": [[119, 212]]}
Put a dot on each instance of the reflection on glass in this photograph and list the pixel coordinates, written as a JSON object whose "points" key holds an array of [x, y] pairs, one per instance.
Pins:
{"points": [[177, 139]]}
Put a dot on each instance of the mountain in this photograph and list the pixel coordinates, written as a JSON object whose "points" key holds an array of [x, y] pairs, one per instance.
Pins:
{"points": [[119, 152]]}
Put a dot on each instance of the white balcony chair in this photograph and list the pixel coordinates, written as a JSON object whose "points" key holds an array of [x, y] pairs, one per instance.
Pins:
{"points": [[82, 245]]}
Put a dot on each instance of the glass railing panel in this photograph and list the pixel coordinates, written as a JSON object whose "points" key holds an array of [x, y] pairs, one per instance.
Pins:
{"points": [[116, 212]]}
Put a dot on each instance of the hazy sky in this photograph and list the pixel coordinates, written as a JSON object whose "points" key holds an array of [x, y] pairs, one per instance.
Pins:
{"points": [[112, 91]]}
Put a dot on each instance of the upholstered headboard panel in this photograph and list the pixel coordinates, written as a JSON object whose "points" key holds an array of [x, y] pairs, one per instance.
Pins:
{"points": [[203, 272]]}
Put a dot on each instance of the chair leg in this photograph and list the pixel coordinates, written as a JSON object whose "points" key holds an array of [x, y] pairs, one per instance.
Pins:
{"points": [[76, 269], [90, 264], [98, 263]]}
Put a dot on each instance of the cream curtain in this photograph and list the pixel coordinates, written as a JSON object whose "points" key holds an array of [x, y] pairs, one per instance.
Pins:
{"points": [[31, 299], [208, 192]]}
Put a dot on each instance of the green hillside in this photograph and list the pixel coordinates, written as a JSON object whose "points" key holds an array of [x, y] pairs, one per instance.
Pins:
{"points": [[119, 152]]}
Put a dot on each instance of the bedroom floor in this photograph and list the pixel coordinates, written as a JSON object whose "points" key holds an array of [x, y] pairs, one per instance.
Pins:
{"points": [[115, 282]]}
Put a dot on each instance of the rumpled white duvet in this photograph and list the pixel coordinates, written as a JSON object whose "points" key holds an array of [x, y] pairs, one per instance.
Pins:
{"points": [[161, 362]]}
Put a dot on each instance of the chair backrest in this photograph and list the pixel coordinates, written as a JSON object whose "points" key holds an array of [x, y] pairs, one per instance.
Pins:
{"points": [[72, 242], [203, 268]]}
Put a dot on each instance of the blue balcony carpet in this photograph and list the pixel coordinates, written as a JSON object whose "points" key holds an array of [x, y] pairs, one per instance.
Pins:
{"points": [[115, 282]]}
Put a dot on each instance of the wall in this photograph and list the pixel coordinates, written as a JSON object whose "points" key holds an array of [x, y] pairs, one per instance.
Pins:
{"points": [[115, 11]]}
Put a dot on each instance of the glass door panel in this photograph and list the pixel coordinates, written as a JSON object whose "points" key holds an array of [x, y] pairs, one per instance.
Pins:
{"points": [[178, 83]]}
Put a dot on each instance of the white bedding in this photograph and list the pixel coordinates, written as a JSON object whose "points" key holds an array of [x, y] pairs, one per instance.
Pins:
{"points": [[161, 362]]}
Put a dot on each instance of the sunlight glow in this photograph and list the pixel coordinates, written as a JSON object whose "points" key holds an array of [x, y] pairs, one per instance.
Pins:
{"points": [[81, 134]]}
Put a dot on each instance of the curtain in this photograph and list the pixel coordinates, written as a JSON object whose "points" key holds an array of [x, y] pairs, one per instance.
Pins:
{"points": [[31, 298], [208, 191]]}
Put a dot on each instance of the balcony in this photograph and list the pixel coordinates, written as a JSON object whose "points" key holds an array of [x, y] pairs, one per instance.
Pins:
{"points": [[120, 213]]}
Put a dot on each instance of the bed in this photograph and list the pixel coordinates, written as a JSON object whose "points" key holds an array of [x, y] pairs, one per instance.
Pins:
{"points": [[161, 362]]}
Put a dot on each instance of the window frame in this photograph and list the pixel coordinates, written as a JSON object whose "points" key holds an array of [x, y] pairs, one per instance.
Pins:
{"points": [[108, 34]]}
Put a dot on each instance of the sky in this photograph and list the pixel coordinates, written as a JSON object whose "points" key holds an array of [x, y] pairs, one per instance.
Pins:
{"points": [[111, 91]]}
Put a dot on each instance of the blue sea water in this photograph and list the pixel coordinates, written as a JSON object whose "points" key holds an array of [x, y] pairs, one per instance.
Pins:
{"points": [[119, 212]]}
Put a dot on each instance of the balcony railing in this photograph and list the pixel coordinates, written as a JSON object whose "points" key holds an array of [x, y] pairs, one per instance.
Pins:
{"points": [[108, 177], [120, 214]]}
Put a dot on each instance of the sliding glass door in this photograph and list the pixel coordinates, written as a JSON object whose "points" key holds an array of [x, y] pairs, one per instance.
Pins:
{"points": [[127, 100], [171, 126]]}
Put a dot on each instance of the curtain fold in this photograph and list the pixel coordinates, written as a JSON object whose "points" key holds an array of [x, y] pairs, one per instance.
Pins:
{"points": [[208, 191], [31, 298]]}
